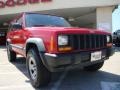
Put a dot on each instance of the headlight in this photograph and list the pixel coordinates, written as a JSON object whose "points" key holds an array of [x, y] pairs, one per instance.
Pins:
{"points": [[62, 40], [108, 38]]}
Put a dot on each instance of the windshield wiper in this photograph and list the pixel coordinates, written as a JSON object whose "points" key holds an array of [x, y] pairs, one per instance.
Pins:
{"points": [[42, 25]]}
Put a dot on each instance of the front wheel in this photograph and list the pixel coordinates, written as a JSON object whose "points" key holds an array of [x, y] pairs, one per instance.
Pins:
{"points": [[94, 67], [39, 75]]}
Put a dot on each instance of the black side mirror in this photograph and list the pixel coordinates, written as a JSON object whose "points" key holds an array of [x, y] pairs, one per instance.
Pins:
{"points": [[16, 26]]}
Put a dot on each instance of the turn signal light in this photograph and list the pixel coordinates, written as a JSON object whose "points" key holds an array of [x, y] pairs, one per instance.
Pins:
{"points": [[65, 48], [52, 43]]}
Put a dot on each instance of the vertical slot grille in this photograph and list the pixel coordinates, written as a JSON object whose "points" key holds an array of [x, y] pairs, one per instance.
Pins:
{"points": [[88, 41]]}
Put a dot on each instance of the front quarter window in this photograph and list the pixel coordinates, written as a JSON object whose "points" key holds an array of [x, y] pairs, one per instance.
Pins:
{"points": [[34, 20]]}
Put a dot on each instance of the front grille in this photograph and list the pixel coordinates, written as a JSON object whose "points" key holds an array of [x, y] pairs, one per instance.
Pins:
{"points": [[88, 41]]}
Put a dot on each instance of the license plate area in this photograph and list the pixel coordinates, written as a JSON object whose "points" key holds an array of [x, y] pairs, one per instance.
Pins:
{"points": [[96, 55]]}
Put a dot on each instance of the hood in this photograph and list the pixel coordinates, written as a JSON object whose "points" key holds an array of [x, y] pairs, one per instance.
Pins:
{"points": [[65, 30]]}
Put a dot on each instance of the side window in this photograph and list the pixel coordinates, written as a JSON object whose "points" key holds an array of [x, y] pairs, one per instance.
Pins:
{"points": [[15, 21], [10, 28], [20, 21]]}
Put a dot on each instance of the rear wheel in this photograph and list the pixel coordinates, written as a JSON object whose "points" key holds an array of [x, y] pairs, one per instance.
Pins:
{"points": [[11, 54], [94, 67], [39, 75]]}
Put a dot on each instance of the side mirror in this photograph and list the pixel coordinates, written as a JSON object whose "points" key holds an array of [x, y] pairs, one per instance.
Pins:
{"points": [[16, 26]]}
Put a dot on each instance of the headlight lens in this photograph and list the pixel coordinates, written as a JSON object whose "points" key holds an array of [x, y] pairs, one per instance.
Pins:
{"points": [[108, 39], [62, 40]]}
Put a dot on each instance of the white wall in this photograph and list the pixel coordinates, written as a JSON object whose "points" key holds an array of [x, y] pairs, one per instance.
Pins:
{"points": [[104, 18]]}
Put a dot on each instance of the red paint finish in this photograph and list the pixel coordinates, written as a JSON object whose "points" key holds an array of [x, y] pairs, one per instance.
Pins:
{"points": [[19, 37], [47, 32]]}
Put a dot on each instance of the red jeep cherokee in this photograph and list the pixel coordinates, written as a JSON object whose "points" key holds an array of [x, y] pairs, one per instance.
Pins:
{"points": [[50, 44]]}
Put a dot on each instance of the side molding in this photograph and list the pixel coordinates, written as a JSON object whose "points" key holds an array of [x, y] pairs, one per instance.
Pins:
{"points": [[38, 42]]}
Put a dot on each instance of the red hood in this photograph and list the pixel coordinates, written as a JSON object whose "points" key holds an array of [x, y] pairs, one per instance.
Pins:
{"points": [[65, 30]]}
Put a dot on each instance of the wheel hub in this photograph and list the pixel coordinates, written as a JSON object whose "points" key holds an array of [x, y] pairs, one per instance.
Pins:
{"points": [[32, 68]]}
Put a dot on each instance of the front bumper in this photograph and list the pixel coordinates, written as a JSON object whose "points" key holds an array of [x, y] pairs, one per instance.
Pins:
{"points": [[59, 62]]}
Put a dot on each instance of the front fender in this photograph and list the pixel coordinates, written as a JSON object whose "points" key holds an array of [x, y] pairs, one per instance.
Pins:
{"points": [[40, 46], [38, 42]]}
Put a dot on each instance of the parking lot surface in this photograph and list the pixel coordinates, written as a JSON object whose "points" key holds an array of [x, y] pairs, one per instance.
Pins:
{"points": [[14, 76]]}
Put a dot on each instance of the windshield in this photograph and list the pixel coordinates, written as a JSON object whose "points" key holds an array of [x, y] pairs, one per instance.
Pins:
{"points": [[34, 20]]}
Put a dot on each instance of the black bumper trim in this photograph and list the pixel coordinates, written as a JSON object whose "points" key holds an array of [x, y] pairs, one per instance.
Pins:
{"points": [[58, 62]]}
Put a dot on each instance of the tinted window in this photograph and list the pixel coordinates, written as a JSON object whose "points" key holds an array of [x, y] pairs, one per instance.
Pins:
{"points": [[33, 20]]}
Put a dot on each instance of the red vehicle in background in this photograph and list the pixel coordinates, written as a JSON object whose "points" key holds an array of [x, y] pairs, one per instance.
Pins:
{"points": [[50, 44]]}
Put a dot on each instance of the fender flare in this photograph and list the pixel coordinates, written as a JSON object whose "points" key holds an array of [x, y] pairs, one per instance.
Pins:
{"points": [[38, 42], [40, 46]]}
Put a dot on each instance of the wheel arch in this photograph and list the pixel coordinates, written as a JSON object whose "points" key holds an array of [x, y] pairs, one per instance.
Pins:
{"points": [[35, 42], [39, 45]]}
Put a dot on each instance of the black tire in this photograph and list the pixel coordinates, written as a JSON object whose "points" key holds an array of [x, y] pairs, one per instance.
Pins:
{"points": [[43, 76], [11, 54], [94, 67]]}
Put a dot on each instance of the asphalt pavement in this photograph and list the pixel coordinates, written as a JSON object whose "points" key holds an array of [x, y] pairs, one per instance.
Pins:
{"points": [[14, 76]]}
